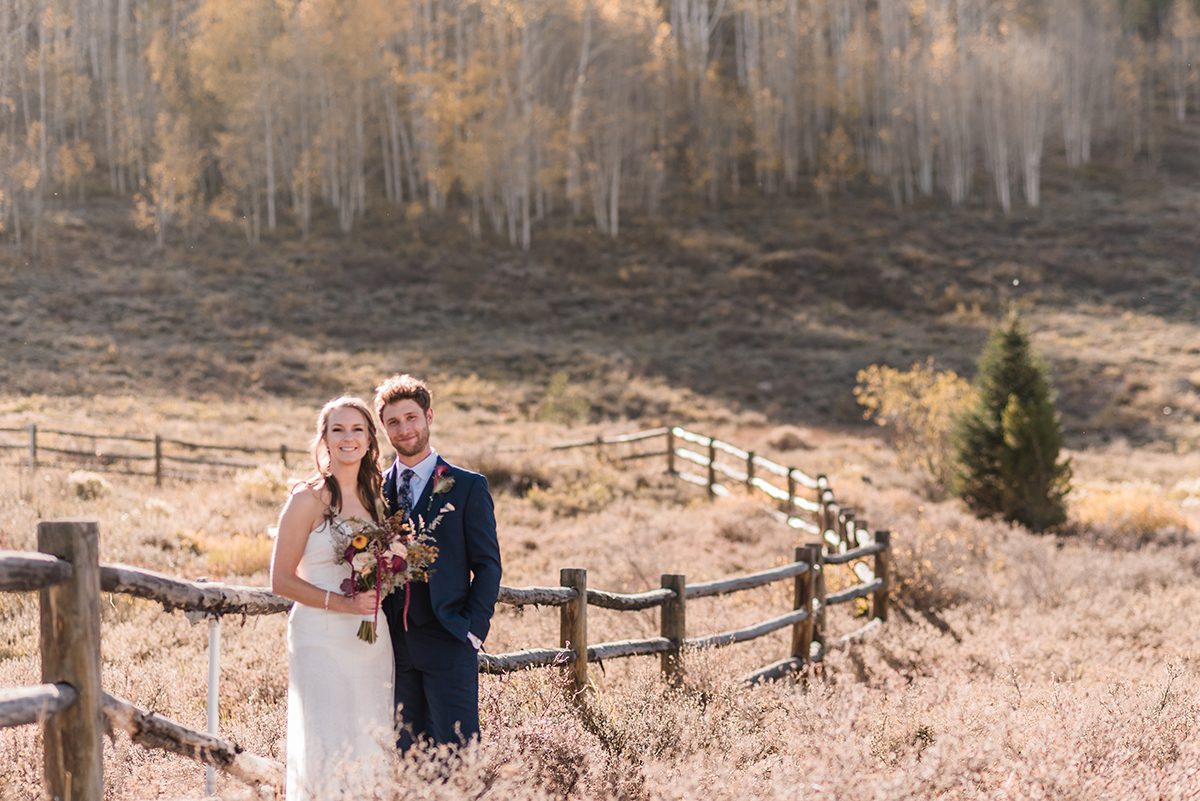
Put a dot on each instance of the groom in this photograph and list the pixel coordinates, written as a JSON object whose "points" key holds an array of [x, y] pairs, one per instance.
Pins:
{"points": [[437, 670]]}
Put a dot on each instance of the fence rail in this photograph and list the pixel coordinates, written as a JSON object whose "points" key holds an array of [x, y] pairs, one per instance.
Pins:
{"points": [[64, 443], [75, 712]]}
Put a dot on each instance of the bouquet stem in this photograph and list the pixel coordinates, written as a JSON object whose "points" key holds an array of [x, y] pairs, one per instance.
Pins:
{"points": [[366, 631]]}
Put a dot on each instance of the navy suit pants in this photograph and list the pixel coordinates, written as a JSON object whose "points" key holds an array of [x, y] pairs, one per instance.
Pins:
{"points": [[437, 685]]}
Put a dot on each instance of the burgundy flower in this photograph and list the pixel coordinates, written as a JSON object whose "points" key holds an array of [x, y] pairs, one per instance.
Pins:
{"points": [[399, 564], [347, 586]]}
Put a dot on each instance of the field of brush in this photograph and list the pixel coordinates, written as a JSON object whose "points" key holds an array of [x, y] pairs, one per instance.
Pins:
{"points": [[1014, 667]]}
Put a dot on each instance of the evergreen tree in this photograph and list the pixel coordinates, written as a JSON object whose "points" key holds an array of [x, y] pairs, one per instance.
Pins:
{"points": [[1008, 443]]}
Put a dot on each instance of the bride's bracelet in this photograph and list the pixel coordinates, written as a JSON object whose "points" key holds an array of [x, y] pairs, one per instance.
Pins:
{"points": [[326, 600]]}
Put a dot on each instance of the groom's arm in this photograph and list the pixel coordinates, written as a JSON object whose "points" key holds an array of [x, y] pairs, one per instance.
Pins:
{"points": [[483, 557]]}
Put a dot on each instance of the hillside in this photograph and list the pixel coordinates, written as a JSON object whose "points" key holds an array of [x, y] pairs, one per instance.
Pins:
{"points": [[1015, 666], [768, 310]]}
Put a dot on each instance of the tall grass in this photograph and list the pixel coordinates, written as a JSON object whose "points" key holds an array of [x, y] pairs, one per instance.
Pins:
{"points": [[1015, 666]]}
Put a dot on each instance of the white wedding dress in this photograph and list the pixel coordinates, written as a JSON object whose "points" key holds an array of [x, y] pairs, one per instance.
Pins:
{"points": [[340, 702]]}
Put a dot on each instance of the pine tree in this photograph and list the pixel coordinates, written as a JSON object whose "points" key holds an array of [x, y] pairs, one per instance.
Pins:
{"points": [[1008, 443]]}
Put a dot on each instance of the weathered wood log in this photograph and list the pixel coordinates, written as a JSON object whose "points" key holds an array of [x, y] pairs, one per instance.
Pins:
{"points": [[804, 591], [70, 646], [775, 670], [800, 523], [199, 446], [629, 602], [856, 636], [704, 589], [28, 572], [770, 466], [883, 572], [732, 450], [673, 625], [151, 730], [619, 439], [85, 435], [20, 706], [857, 553], [174, 593], [802, 478], [691, 436], [620, 648], [535, 596], [573, 624], [849, 594], [749, 632], [519, 660]]}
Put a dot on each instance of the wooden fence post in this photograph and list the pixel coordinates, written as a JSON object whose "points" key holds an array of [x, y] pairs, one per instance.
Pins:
{"points": [[674, 626], [750, 470], [826, 514], [573, 624], [157, 460], [791, 499], [671, 450], [818, 556], [283, 454], [70, 646], [33, 446], [883, 561], [712, 468], [802, 632]]}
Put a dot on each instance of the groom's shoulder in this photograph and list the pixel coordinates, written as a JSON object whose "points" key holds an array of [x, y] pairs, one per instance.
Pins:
{"points": [[464, 476]]}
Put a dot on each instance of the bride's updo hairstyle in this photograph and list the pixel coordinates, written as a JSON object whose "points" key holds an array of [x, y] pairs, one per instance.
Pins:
{"points": [[370, 479]]}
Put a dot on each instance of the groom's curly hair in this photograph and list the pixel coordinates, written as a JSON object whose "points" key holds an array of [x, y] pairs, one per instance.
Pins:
{"points": [[402, 387]]}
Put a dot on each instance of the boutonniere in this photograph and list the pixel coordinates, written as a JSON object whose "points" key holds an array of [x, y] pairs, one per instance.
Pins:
{"points": [[443, 482]]}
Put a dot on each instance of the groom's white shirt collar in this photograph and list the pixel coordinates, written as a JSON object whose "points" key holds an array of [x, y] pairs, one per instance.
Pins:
{"points": [[423, 470]]}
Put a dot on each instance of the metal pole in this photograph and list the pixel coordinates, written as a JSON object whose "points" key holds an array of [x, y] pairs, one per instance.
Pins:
{"points": [[214, 685]]}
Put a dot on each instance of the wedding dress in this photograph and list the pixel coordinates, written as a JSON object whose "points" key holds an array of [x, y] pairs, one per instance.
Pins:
{"points": [[340, 704]]}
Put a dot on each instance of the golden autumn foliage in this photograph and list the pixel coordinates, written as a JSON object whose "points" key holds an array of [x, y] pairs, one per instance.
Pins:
{"points": [[918, 407]]}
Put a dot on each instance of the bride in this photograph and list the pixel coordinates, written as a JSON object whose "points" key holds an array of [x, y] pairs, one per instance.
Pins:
{"points": [[339, 687]]}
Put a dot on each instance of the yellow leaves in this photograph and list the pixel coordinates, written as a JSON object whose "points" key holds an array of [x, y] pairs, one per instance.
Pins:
{"points": [[919, 407]]}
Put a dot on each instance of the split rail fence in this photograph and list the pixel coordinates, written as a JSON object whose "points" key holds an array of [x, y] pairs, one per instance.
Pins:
{"points": [[153, 456], [75, 712]]}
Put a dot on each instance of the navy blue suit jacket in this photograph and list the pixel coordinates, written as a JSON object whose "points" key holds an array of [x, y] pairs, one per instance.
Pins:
{"points": [[464, 581]]}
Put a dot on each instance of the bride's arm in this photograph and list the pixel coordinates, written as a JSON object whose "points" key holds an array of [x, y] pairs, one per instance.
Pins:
{"points": [[300, 516]]}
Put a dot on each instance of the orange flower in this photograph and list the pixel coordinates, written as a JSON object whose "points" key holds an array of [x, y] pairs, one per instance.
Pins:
{"points": [[359, 542]]}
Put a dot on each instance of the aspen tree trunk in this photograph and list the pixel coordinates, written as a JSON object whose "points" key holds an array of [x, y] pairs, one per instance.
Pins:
{"points": [[575, 116]]}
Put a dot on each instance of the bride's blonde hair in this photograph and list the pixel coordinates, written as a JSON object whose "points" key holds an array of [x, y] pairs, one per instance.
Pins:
{"points": [[370, 479]]}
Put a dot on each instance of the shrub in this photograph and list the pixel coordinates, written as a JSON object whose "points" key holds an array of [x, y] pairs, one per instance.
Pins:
{"points": [[1008, 443], [237, 554], [266, 485], [1129, 515], [88, 486], [561, 403], [918, 408]]}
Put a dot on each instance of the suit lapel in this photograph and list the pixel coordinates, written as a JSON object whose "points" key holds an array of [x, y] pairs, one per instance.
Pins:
{"points": [[391, 490], [423, 507]]}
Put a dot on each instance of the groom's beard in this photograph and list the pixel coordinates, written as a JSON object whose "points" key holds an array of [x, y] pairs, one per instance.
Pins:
{"points": [[414, 446]]}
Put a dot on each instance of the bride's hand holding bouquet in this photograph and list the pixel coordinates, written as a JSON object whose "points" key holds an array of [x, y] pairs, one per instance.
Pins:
{"points": [[383, 557]]}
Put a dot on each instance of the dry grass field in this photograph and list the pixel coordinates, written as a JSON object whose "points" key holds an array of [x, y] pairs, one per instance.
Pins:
{"points": [[1015, 666]]}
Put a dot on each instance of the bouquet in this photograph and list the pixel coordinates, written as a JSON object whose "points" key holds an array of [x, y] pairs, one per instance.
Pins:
{"points": [[385, 556]]}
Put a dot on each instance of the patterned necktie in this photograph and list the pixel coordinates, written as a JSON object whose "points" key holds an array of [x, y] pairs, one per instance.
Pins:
{"points": [[405, 497]]}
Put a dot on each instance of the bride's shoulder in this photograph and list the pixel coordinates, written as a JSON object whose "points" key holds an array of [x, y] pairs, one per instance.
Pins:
{"points": [[309, 496]]}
